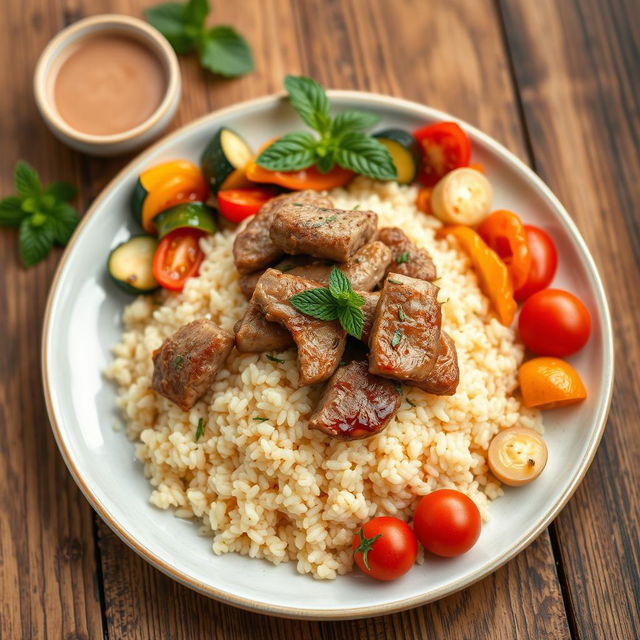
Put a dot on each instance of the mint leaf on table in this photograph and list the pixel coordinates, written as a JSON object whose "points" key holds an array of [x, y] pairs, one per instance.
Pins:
{"points": [[337, 301], [341, 139], [221, 49], [43, 214]]}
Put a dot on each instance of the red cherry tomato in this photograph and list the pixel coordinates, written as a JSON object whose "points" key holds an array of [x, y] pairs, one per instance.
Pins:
{"points": [[544, 260], [238, 204], [445, 146], [504, 232], [177, 258], [385, 548], [447, 522], [554, 323]]}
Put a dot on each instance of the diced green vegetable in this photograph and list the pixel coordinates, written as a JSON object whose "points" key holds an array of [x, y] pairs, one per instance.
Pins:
{"points": [[195, 215], [130, 265]]}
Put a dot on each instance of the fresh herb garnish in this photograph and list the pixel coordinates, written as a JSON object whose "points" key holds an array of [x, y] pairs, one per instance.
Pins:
{"points": [[342, 363], [286, 267], [341, 139], [43, 214], [405, 256], [200, 429], [337, 301], [394, 281], [402, 316], [356, 207], [445, 301], [176, 362], [273, 358], [398, 388], [297, 204], [321, 223], [221, 49], [410, 402], [397, 336], [260, 419]]}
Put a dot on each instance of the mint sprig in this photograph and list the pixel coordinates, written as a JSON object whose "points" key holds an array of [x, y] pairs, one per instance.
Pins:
{"points": [[221, 49], [341, 139], [43, 214], [338, 301]]}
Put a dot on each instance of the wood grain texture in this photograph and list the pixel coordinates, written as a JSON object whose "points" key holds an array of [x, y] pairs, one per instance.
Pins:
{"points": [[581, 100]]}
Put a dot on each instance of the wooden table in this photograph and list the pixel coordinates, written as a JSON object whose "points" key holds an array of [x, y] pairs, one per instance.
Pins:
{"points": [[557, 82]]}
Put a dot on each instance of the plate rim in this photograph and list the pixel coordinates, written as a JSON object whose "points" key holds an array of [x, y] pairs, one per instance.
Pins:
{"points": [[404, 603]]}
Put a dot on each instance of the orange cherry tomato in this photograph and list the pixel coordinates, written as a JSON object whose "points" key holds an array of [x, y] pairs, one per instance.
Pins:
{"points": [[238, 204], [178, 258], [554, 322], [548, 383], [445, 146], [544, 261], [492, 273], [424, 199], [504, 232]]}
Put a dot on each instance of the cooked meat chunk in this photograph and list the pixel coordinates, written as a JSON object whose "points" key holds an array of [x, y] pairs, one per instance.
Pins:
{"points": [[408, 259], [323, 232], [405, 338], [253, 248], [255, 334], [444, 377], [371, 299], [186, 364], [365, 269], [248, 281], [320, 344], [355, 404]]}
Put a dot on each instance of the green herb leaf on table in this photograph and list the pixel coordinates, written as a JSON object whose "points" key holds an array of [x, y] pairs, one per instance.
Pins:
{"points": [[341, 138], [337, 301], [43, 214], [221, 48]]}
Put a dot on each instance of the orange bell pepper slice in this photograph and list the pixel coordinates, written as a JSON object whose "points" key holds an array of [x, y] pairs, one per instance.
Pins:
{"points": [[548, 383], [423, 201], [492, 273], [309, 178]]}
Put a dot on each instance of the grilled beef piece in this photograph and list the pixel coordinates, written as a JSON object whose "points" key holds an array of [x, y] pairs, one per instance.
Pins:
{"points": [[445, 375], [355, 404], [407, 258], [253, 248], [186, 364], [323, 232], [288, 264], [405, 338], [320, 344], [248, 281], [255, 334], [371, 299]]}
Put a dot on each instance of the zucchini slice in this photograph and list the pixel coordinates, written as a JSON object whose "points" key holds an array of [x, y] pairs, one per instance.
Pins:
{"points": [[404, 150], [130, 265], [225, 153], [195, 215]]}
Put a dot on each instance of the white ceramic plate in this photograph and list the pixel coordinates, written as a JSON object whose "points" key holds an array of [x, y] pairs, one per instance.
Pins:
{"points": [[83, 321]]}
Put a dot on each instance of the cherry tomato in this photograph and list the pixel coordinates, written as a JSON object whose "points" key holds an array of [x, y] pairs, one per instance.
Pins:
{"points": [[447, 522], [238, 204], [385, 548], [504, 232], [544, 260], [178, 258], [445, 146], [554, 323]]}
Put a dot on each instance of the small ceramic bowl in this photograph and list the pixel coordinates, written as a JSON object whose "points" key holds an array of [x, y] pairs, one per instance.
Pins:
{"points": [[113, 144]]}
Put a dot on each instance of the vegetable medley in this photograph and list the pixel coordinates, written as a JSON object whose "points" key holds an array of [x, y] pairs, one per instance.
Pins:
{"points": [[176, 203]]}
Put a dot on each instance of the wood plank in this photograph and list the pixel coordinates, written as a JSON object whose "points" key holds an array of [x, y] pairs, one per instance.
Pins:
{"points": [[324, 39], [578, 69], [47, 555]]}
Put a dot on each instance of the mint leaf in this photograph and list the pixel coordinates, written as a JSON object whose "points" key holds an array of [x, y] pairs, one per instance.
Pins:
{"points": [[352, 320], [223, 50], [339, 284], [169, 20], [61, 191], [61, 222], [35, 242], [326, 162], [27, 181], [352, 121], [11, 213], [195, 12], [366, 156], [309, 99], [317, 303], [290, 153]]}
